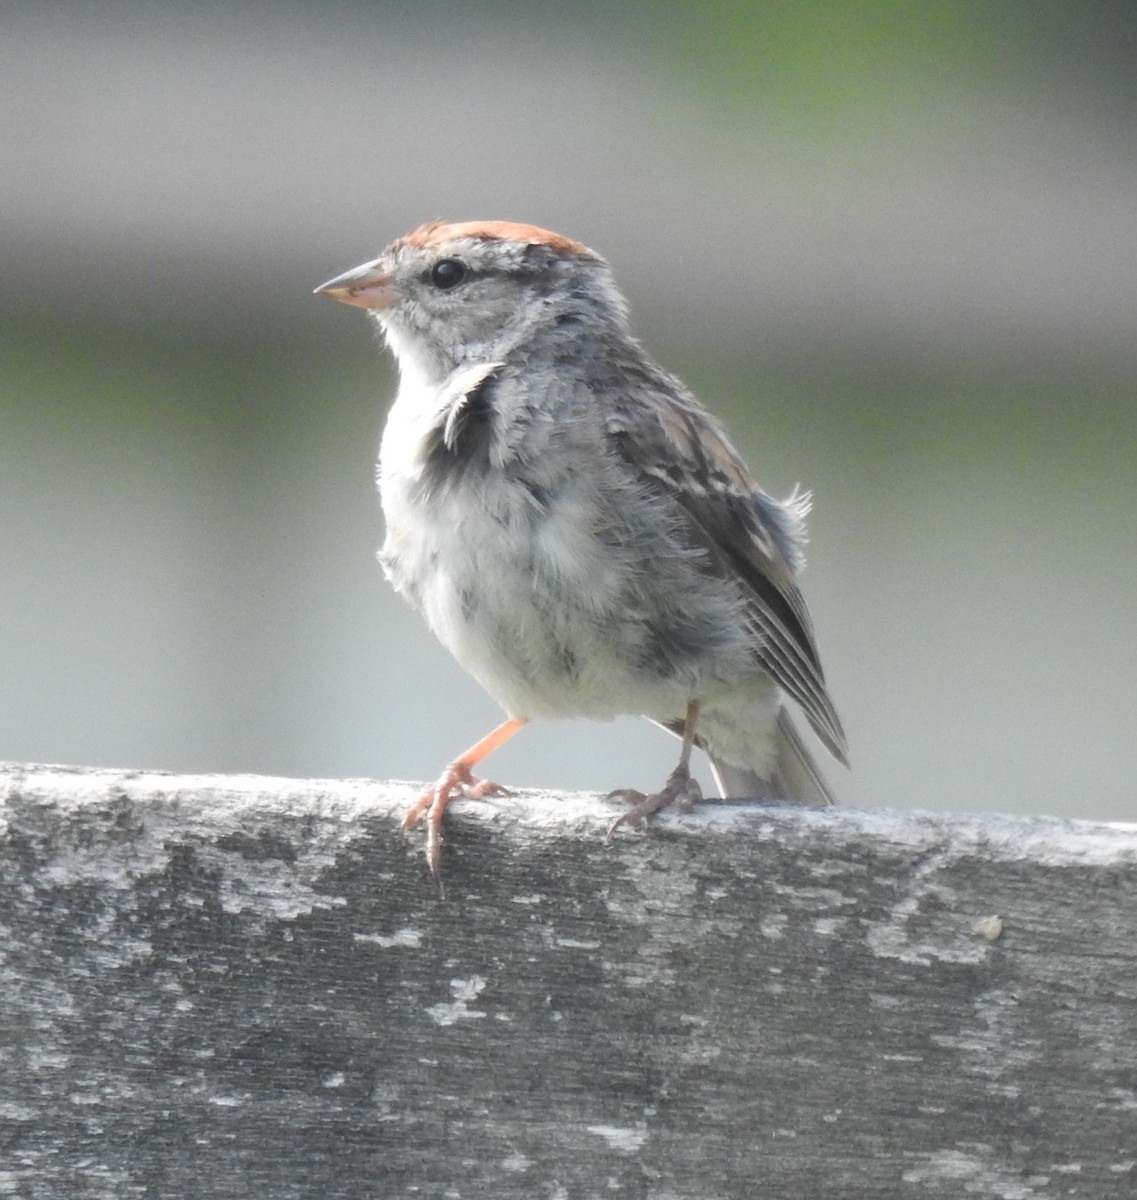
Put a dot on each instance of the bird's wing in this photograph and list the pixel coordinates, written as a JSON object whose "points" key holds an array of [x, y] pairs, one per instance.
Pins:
{"points": [[681, 453]]}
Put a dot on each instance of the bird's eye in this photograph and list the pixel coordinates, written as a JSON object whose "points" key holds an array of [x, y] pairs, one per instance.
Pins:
{"points": [[447, 273]]}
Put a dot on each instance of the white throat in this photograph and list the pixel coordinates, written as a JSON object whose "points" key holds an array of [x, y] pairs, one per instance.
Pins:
{"points": [[418, 372]]}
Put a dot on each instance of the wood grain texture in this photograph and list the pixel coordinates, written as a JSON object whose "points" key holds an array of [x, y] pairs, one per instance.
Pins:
{"points": [[245, 987]]}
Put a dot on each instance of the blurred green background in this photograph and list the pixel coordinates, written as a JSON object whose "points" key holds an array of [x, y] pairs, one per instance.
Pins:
{"points": [[894, 245]]}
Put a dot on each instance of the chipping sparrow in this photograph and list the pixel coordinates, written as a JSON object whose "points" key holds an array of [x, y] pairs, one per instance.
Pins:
{"points": [[578, 531]]}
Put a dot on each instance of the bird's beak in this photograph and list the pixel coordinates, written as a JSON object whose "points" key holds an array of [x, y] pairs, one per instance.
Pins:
{"points": [[368, 286]]}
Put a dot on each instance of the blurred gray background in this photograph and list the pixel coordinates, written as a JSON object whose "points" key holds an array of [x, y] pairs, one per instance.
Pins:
{"points": [[894, 246]]}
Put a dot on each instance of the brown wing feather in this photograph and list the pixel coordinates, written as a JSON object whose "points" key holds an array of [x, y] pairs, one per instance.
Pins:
{"points": [[745, 534]]}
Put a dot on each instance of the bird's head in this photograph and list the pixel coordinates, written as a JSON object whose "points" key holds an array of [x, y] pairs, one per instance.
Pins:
{"points": [[449, 295]]}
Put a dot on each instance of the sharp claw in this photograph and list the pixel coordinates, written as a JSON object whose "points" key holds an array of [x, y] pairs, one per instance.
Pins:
{"points": [[432, 805], [645, 808], [458, 777], [483, 788], [434, 861], [434, 835], [414, 814], [680, 790]]}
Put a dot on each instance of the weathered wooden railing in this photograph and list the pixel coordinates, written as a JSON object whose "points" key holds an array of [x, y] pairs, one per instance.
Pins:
{"points": [[221, 987]]}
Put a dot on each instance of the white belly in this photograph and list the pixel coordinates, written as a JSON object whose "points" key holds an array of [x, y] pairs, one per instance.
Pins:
{"points": [[536, 596], [525, 604]]}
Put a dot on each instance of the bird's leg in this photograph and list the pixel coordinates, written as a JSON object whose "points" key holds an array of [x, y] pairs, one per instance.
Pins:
{"points": [[680, 789], [458, 778]]}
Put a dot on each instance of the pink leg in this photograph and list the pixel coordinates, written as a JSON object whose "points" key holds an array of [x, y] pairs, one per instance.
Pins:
{"points": [[680, 788], [457, 778]]}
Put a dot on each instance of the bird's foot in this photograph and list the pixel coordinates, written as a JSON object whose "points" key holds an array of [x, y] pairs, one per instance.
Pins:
{"points": [[456, 781], [680, 789]]}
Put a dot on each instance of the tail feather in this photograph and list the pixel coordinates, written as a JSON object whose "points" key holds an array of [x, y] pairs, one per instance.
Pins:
{"points": [[793, 779]]}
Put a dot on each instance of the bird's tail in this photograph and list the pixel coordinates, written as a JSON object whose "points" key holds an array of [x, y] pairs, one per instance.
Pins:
{"points": [[793, 777]]}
